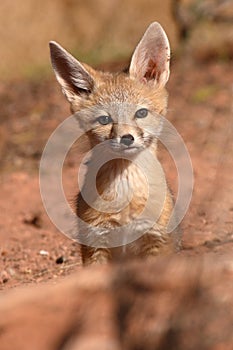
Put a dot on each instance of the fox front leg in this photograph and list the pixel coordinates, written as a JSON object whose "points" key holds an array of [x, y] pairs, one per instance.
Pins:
{"points": [[95, 256]]}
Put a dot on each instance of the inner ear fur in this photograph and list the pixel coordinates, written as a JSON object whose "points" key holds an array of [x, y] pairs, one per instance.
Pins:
{"points": [[151, 59], [74, 77]]}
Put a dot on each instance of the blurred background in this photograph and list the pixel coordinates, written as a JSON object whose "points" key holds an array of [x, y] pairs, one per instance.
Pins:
{"points": [[106, 30], [93, 30]]}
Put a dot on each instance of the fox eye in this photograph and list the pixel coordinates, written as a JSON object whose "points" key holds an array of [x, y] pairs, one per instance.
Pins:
{"points": [[104, 119], [141, 113]]}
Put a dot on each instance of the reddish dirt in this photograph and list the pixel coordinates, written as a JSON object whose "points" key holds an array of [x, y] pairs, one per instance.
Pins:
{"points": [[200, 107]]}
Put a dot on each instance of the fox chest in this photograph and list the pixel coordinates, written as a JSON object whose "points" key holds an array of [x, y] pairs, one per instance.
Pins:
{"points": [[121, 197]]}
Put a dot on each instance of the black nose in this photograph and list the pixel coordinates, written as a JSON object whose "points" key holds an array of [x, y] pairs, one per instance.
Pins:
{"points": [[127, 140]]}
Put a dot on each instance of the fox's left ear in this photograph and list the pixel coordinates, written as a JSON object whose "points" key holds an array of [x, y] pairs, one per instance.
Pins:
{"points": [[151, 58]]}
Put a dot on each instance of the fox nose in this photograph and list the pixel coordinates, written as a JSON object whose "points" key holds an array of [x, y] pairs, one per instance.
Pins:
{"points": [[127, 139]]}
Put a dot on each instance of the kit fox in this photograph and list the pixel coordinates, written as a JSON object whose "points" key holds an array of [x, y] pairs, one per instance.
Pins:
{"points": [[121, 111]]}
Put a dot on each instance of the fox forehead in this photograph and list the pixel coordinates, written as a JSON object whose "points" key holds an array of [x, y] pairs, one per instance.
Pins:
{"points": [[120, 92], [117, 88]]}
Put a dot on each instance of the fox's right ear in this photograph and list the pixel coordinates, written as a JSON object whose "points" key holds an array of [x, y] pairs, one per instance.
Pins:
{"points": [[74, 79]]}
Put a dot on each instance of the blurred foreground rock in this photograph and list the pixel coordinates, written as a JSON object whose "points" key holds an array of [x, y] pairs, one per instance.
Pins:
{"points": [[171, 303]]}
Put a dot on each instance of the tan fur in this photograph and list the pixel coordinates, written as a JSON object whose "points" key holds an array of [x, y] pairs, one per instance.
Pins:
{"points": [[120, 96]]}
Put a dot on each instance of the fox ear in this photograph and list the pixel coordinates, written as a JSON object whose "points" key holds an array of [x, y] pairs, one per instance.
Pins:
{"points": [[150, 60], [74, 79]]}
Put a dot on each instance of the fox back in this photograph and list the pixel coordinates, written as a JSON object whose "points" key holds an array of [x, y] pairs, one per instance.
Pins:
{"points": [[121, 115]]}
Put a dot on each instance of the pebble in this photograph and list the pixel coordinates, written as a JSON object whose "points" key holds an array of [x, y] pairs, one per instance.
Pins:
{"points": [[43, 252], [60, 260], [4, 276]]}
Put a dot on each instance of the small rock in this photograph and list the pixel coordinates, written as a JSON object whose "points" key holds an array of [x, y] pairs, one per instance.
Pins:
{"points": [[11, 271], [60, 260], [4, 276], [43, 252], [3, 252], [33, 219]]}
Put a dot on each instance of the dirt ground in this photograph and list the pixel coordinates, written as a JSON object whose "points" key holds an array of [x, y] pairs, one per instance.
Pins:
{"points": [[32, 250]]}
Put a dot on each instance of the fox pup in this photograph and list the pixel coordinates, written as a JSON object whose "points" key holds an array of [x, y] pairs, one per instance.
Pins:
{"points": [[120, 113]]}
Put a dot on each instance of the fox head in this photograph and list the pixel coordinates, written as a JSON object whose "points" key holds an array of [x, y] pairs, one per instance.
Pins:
{"points": [[123, 109]]}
